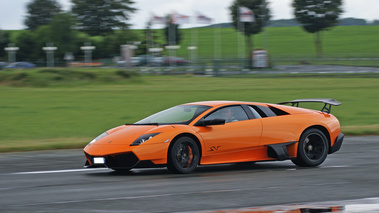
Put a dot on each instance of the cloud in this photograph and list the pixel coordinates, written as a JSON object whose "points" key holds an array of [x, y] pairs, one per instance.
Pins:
{"points": [[13, 12], [366, 9]]}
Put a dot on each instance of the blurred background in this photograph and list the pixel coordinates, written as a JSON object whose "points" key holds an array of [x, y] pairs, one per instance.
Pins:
{"points": [[59, 33]]}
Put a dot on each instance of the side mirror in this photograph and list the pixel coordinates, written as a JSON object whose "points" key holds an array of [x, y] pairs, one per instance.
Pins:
{"points": [[211, 122]]}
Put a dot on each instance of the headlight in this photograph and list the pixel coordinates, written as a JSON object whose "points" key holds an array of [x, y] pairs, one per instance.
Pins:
{"points": [[143, 138], [98, 137]]}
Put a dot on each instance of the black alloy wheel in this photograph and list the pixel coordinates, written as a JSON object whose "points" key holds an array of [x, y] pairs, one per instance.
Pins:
{"points": [[312, 149], [184, 156]]}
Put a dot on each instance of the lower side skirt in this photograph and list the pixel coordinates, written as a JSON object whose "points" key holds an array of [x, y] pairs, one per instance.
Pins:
{"points": [[279, 151]]}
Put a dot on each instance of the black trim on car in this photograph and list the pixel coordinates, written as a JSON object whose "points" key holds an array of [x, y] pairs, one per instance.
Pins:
{"points": [[279, 151], [248, 111], [121, 161], [328, 102], [277, 111], [337, 145], [264, 111]]}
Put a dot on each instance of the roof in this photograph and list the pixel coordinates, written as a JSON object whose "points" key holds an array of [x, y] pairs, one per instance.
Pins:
{"points": [[220, 103]]}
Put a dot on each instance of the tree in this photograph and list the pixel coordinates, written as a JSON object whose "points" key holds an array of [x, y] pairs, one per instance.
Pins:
{"points": [[316, 16], [26, 43], [62, 33], [31, 43], [111, 44], [261, 15], [40, 12], [100, 17], [4, 41]]}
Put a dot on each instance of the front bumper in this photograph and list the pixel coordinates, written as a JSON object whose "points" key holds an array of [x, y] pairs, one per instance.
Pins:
{"points": [[120, 161], [337, 145]]}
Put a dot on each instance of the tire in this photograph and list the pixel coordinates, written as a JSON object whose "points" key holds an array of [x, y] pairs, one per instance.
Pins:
{"points": [[183, 156], [312, 149]]}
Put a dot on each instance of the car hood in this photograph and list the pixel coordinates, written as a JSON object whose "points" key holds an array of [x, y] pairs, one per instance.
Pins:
{"points": [[119, 139], [127, 134]]}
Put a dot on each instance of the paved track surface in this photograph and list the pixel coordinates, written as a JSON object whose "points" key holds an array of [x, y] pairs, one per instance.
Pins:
{"points": [[325, 69], [55, 181]]}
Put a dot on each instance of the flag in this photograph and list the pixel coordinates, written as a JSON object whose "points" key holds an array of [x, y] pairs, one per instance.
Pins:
{"points": [[246, 15], [180, 18], [157, 19], [202, 19]]}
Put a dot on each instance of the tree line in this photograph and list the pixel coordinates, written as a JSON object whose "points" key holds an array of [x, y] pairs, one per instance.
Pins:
{"points": [[104, 24]]}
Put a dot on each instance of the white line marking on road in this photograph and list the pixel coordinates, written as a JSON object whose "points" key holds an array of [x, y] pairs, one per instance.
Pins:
{"points": [[57, 171], [172, 194], [337, 166]]}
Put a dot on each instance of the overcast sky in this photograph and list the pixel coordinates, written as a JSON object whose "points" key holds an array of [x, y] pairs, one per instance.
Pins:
{"points": [[12, 12]]}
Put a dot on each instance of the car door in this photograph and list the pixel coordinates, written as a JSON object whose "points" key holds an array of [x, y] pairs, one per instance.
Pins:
{"points": [[232, 142]]}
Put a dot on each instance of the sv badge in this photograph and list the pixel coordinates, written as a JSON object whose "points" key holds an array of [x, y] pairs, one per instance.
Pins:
{"points": [[213, 148]]}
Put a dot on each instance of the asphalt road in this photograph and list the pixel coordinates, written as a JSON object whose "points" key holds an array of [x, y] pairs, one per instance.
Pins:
{"points": [[55, 181], [325, 69]]}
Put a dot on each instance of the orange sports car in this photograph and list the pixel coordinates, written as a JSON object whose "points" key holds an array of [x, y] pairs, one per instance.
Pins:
{"points": [[217, 132]]}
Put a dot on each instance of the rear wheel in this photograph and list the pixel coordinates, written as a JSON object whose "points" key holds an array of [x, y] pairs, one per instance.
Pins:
{"points": [[184, 156], [312, 149]]}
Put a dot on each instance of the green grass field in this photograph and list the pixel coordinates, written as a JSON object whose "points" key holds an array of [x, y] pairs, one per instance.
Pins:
{"points": [[60, 115], [284, 42]]}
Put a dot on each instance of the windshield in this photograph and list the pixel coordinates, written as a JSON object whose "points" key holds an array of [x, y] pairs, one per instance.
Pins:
{"points": [[182, 114]]}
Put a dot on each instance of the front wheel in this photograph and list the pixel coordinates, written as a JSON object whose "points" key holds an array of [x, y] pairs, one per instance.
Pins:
{"points": [[183, 156], [312, 149]]}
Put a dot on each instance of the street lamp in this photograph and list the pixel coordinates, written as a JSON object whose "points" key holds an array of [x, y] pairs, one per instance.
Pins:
{"points": [[49, 54], [11, 49], [87, 52], [155, 50], [192, 53], [127, 52], [172, 48]]}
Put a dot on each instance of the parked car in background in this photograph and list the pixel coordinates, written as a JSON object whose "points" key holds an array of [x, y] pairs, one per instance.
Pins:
{"points": [[145, 60], [3, 64], [134, 60], [166, 61], [157, 61], [20, 65]]}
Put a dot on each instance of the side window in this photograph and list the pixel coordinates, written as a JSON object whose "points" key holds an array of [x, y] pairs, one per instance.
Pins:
{"points": [[264, 111], [255, 113], [230, 114]]}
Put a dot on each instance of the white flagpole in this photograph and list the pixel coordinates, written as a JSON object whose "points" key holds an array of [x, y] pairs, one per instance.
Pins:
{"points": [[217, 41], [243, 41], [194, 40], [147, 40], [170, 33], [151, 36], [238, 32], [220, 40], [148, 37]]}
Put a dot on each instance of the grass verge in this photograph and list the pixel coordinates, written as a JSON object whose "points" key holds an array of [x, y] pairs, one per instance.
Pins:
{"points": [[69, 115]]}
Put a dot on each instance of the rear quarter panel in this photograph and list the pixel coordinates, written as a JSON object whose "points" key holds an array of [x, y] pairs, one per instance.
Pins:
{"points": [[288, 128]]}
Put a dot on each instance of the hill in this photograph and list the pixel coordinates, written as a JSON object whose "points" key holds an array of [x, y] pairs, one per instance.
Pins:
{"points": [[294, 23], [340, 41]]}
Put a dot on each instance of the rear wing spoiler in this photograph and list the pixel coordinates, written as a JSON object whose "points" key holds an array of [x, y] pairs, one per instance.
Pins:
{"points": [[327, 101]]}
